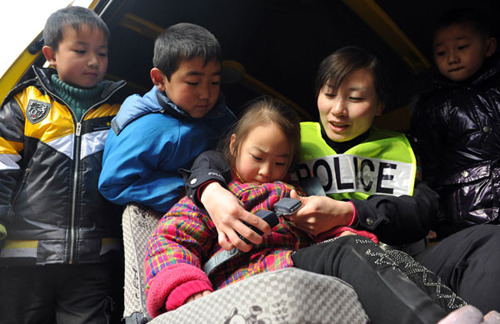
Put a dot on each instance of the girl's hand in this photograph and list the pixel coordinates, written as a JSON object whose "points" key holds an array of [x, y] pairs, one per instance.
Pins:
{"points": [[196, 296], [228, 214], [319, 214]]}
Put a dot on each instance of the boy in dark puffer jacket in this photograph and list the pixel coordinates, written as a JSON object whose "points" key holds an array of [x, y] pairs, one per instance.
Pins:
{"points": [[456, 127]]}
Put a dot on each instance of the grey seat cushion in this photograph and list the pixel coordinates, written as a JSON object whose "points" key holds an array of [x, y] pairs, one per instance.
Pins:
{"points": [[284, 296]]}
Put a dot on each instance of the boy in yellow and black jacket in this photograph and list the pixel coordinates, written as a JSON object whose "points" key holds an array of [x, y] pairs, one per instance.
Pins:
{"points": [[59, 234]]}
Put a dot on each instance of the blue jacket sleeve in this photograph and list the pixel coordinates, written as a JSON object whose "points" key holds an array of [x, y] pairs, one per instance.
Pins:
{"points": [[138, 167]]}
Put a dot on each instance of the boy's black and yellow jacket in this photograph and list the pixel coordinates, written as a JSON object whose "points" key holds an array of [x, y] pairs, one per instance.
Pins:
{"points": [[50, 206]]}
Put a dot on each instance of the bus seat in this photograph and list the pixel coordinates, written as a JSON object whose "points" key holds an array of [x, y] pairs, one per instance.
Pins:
{"points": [[138, 223]]}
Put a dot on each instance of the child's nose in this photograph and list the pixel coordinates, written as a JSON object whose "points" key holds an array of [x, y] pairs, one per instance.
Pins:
{"points": [[93, 61], [265, 170], [204, 91], [453, 57]]}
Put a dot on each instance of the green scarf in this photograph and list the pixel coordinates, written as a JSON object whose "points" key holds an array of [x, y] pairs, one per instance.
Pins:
{"points": [[78, 100]]}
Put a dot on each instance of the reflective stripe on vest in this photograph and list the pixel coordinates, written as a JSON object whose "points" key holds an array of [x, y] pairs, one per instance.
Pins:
{"points": [[382, 164]]}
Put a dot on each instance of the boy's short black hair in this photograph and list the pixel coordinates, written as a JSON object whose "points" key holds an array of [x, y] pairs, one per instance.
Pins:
{"points": [[465, 15], [73, 17], [184, 41]]}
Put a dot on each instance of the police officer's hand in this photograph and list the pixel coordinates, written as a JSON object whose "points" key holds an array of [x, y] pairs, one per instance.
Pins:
{"points": [[320, 213], [228, 214]]}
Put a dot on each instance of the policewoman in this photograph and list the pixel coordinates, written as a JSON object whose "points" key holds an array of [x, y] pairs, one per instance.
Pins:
{"points": [[369, 172]]}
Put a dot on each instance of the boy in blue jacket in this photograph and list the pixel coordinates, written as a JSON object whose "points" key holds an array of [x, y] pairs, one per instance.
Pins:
{"points": [[183, 115]]}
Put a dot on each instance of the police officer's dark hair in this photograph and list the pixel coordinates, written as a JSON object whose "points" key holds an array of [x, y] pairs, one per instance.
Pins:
{"points": [[463, 16], [337, 66], [182, 42], [74, 17]]}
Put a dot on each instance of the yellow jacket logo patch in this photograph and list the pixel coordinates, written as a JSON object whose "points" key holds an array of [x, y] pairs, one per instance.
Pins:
{"points": [[37, 110]]}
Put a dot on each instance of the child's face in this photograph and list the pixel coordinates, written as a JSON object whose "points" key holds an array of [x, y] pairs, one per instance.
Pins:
{"points": [[81, 59], [348, 111], [194, 87], [264, 156], [460, 50]]}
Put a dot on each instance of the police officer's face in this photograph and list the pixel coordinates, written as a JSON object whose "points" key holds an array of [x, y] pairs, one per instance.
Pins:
{"points": [[348, 111]]}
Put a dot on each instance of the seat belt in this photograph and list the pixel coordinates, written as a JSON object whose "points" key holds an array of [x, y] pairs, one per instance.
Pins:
{"points": [[285, 206]]}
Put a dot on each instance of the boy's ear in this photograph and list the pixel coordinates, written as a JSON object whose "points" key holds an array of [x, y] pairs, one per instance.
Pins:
{"points": [[491, 46], [158, 78], [50, 54]]}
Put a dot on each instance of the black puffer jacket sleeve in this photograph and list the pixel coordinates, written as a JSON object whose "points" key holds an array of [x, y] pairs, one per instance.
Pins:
{"points": [[11, 136], [399, 220], [207, 167]]}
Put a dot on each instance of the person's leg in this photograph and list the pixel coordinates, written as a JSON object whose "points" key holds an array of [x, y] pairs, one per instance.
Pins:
{"points": [[426, 280], [85, 296], [386, 293], [469, 263], [27, 295], [118, 270]]}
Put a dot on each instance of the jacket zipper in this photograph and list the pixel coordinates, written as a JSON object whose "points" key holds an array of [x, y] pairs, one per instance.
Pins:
{"points": [[76, 157], [76, 161], [76, 165], [23, 183]]}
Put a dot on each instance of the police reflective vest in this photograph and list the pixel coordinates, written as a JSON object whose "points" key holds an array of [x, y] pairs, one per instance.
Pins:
{"points": [[382, 164]]}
